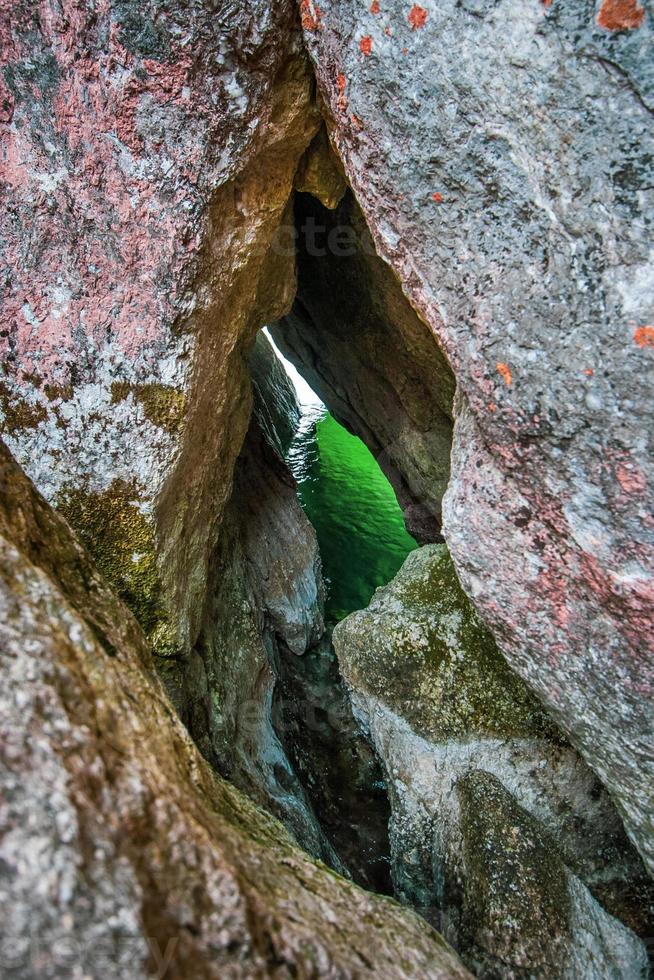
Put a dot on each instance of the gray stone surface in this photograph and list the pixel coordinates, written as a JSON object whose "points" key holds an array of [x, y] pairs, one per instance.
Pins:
{"points": [[430, 686], [265, 588], [121, 855], [150, 153], [502, 156]]}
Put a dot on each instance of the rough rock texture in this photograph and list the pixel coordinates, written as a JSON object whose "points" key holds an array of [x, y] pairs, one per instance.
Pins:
{"points": [[524, 911], [149, 151], [502, 156], [440, 703], [265, 588], [275, 398], [343, 777], [374, 363], [121, 854], [320, 172]]}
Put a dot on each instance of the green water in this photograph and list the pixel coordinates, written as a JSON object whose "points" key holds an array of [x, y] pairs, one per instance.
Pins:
{"points": [[353, 508]]}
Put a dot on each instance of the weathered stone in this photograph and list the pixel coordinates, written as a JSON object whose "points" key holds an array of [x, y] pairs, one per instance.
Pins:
{"points": [[150, 155], [265, 588], [343, 778], [276, 404], [502, 156], [524, 914], [374, 363], [439, 701], [320, 172], [122, 855]]}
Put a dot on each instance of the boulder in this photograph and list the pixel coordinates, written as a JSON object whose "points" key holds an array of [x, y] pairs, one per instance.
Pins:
{"points": [[448, 718], [150, 155], [121, 853], [501, 154]]}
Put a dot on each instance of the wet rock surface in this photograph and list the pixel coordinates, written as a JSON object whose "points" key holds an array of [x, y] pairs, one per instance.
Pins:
{"points": [[501, 155], [122, 854], [265, 588], [335, 762], [464, 741]]}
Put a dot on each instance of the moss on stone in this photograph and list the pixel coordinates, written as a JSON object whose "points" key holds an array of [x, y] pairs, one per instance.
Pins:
{"points": [[121, 540], [517, 903], [55, 393], [163, 405], [18, 412], [421, 649]]}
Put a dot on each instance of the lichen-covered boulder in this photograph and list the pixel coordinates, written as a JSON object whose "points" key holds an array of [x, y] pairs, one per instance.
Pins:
{"points": [[524, 913], [502, 155], [429, 684], [149, 154], [121, 854]]}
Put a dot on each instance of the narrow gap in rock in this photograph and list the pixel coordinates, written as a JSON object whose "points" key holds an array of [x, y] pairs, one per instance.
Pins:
{"points": [[362, 542]]}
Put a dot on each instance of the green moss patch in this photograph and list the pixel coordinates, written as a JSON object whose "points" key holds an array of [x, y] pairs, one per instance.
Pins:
{"points": [[421, 649], [121, 540], [18, 413], [163, 405]]}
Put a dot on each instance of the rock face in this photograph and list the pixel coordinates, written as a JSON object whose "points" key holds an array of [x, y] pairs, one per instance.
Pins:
{"points": [[363, 349], [338, 767], [150, 152], [121, 854], [497, 825], [502, 154], [265, 588]]}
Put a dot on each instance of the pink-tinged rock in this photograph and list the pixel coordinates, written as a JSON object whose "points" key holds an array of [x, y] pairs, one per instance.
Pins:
{"points": [[535, 274], [148, 153]]}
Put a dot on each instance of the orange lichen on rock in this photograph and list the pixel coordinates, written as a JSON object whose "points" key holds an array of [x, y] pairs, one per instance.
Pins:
{"points": [[365, 45], [437, 196], [505, 371], [620, 15], [374, 7], [310, 14], [417, 17], [644, 336]]}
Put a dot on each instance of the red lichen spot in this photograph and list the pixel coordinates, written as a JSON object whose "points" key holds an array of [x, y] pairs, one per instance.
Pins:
{"points": [[589, 372], [546, 3], [405, 50], [644, 336], [492, 407], [438, 197], [341, 101], [417, 17], [310, 14], [505, 372], [356, 121], [374, 7], [365, 45], [620, 15]]}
